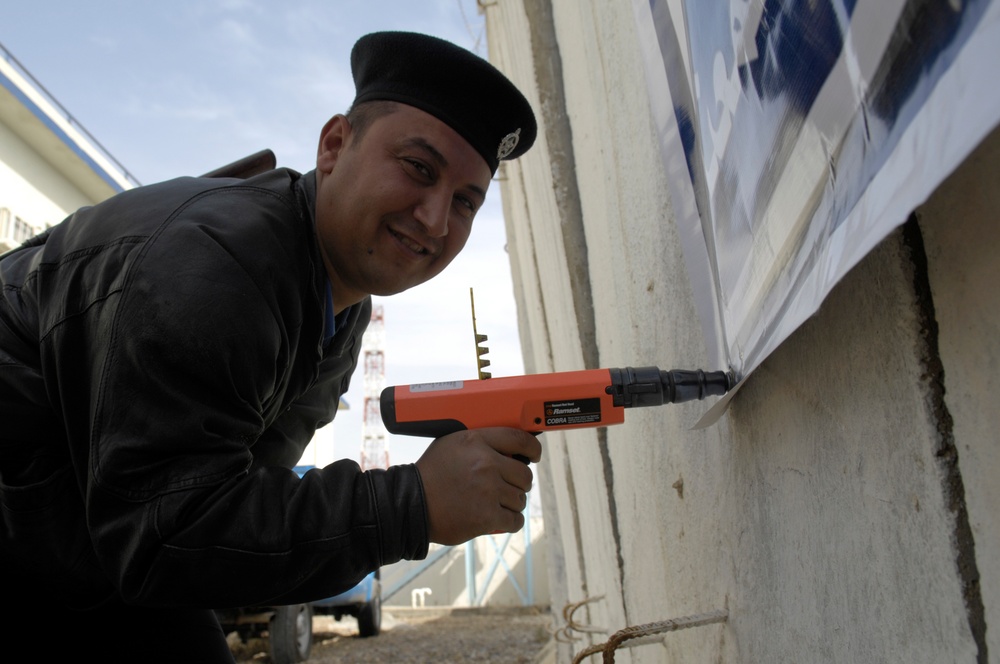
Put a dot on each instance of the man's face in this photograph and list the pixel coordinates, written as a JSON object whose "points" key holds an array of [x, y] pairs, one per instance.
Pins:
{"points": [[395, 207]]}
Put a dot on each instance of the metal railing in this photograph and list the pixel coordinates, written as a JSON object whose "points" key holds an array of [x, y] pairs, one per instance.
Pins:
{"points": [[478, 592]]}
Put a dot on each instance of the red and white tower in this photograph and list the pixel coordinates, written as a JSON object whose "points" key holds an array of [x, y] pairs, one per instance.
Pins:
{"points": [[373, 452]]}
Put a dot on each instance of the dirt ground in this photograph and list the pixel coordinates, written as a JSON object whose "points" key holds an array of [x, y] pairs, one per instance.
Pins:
{"points": [[419, 636]]}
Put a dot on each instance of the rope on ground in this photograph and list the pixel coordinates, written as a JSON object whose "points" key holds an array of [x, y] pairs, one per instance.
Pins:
{"points": [[636, 633]]}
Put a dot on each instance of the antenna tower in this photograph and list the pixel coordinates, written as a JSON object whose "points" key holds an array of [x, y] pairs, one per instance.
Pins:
{"points": [[373, 452]]}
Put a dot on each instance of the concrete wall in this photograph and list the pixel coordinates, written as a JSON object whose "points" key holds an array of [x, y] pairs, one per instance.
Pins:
{"points": [[844, 509]]}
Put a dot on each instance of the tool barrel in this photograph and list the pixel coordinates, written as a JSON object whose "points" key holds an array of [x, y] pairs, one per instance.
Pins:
{"points": [[685, 385]]}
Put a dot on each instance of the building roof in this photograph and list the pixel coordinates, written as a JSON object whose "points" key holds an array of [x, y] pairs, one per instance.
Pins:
{"points": [[41, 122]]}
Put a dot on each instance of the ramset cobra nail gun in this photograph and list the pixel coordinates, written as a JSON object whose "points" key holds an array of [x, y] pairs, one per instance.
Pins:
{"points": [[540, 402]]}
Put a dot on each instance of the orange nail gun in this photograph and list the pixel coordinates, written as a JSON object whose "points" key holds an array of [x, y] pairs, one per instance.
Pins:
{"points": [[542, 402]]}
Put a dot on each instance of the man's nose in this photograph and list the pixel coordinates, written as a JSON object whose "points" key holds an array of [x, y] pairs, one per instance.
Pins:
{"points": [[432, 211]]}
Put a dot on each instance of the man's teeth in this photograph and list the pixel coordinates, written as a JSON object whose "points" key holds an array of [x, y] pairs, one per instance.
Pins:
{"points": [[420, 249]]}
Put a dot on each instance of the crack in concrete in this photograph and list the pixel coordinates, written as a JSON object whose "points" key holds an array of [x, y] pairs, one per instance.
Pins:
{"points": [[947, 453], [559, 137]]}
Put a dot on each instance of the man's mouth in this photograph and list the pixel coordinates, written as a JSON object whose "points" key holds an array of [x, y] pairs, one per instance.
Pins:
{"points": [[409, 243]]}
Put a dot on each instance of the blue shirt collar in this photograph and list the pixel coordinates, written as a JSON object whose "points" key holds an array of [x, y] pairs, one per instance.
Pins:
{"points": [[329, 324], [332, 324]]}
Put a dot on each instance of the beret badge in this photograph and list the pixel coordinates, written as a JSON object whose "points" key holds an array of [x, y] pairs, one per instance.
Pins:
{"points": [[508, 144]]}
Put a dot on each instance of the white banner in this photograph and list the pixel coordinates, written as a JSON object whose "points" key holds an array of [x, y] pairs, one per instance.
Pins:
{"points": [[797, 134]]}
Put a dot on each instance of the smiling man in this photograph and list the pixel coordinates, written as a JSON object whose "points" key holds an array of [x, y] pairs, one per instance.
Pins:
{"points": [[166, 356], [395, 208]]}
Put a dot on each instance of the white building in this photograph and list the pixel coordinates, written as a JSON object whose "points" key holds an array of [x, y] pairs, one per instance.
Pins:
{"points": [[49, 165]]}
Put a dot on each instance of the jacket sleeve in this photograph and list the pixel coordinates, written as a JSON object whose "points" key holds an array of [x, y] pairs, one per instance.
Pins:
{"points": [[201, 359]]}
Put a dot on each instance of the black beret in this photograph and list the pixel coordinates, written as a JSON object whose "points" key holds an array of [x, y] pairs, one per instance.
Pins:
{"points": [[454, 85]]}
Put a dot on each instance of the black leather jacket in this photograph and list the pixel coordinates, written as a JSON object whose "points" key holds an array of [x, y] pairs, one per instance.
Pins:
{"points": [[161, 369]]}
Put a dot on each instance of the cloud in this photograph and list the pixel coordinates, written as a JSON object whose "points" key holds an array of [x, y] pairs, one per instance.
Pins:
{"points": [[239, 5], [238, 34]]}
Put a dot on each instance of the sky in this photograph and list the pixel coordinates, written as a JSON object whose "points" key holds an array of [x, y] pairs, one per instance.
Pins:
{"points": [[182, 87]]}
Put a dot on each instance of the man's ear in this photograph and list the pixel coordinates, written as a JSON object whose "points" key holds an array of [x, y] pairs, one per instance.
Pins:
{"points": [[332, 140]]}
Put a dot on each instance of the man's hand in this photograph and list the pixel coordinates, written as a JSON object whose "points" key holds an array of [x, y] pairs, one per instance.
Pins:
{"points": [[473, 485]]}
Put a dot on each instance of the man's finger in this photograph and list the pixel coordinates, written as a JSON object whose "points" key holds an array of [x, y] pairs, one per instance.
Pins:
{"points": [[518, 475], [513, 442], [513, 500], [511, 521]]}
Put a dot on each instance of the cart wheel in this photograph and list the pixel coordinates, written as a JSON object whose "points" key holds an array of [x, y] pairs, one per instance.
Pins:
{"points": [[291, 633], [370, 617]]}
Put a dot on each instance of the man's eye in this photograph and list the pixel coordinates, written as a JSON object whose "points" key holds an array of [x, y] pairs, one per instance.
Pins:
{"points": [[466, 206], [419, 167]]}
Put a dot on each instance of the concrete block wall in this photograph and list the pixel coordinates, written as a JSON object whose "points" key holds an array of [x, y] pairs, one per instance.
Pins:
{"points": [[843, 509]]}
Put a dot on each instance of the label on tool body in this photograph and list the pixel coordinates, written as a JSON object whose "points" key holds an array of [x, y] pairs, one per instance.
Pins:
{"points": [[437, 387], [577, 411]]}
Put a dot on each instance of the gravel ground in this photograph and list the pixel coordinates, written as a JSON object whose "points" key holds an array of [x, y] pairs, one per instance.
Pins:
{"points": [[419, 636]]}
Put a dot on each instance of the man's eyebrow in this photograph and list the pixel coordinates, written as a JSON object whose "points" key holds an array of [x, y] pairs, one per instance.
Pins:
{"points": [[425, 146]]}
